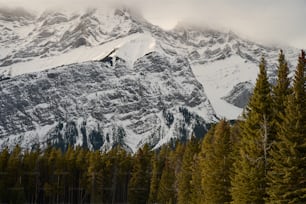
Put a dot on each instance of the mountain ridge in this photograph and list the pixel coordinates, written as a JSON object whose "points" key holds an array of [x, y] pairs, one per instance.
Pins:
{"points": [[190, 71]]}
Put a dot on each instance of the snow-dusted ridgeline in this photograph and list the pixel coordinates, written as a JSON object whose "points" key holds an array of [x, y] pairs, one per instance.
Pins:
{"points": [[67, 51]]}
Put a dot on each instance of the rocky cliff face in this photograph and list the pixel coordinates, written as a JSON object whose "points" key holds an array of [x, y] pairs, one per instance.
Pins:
{"points": [[240, 94], [53, 33], [99, 78], [100, 104]]}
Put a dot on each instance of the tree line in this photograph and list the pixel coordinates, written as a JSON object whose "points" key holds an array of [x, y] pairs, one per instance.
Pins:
{"points": [[259, 159]]}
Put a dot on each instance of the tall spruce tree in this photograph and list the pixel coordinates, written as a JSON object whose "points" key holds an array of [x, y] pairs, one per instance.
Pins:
{"points": [[154, 179], [197, 195], [216, 163], [15, 172], [185, 175], [81, 163], [95, 177], [287, 178], [158, 163], [30, 177], [139, 185], [4, 157], [249, 178], [166, 190], [280, 93]]}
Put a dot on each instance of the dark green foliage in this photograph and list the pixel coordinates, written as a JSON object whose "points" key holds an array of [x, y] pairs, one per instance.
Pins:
{"points": [[255, 160], [287, 177], [95, 177], [185, 174], [158, 162], [162, 178], [166, 191], [14, 176], [30, 175], [197, 194], [4, 157], [139, 185], [280, 93], [76, 176], [155, 178], [249, 179], [282, 88], [216, 163]]}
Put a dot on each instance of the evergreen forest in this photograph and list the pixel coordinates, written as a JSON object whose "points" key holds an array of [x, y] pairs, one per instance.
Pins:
{"points": [[261, 158]]}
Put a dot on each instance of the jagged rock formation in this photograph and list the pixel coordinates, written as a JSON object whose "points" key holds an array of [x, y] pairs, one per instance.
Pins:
{"points": [[98, 105], [240, 94], [100, 78]]}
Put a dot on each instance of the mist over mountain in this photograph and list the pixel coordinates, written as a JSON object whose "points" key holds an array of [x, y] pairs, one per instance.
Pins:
{"points": [[105, 77]]}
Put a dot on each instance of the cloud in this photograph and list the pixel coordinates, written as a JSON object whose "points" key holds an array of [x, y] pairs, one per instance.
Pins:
{"points": [[40, 5], [266, 21], [273, 21]]}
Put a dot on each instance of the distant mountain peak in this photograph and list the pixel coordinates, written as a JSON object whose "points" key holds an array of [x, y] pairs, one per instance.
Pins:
{"points": [[100, 77]]}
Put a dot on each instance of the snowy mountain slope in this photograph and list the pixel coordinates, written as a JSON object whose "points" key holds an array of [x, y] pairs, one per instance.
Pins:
{"points": [[221, 61], [99, 104], [129, 48], [101, 77], [226, 73], [54, 33]]}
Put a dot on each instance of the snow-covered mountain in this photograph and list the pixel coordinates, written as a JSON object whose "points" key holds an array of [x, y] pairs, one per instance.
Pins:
{"points": [[98, 78]]}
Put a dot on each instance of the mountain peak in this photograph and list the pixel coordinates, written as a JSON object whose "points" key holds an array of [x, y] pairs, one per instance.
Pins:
{"points": [[120, 78]]}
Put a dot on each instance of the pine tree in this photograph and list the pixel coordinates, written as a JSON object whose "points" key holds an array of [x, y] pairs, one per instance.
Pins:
{"points": [[175, 160], [166, 190], [109, 172], [44, 175], [158, 163], [280, 92], [81, 166], [216, 163], [15, 172], [154, 180], [30, 177], [185, 175], [139, 185], [287, 178], [120, 168], [95, 177], [4, 157], [56, 174], [249, 179], [197, 195]]}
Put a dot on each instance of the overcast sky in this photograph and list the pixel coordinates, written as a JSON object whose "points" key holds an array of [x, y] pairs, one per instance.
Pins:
{"points": [[265, 21]]}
